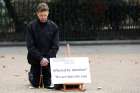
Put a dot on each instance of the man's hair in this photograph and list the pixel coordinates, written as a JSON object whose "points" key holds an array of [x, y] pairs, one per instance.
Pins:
{"points": [[42, 7]]}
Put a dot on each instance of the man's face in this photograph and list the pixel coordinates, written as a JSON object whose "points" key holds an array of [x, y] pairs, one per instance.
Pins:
{"points": [[43, 16]]}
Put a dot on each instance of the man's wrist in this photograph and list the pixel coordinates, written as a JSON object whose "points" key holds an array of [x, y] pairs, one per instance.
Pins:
{"points": [[44, 59]]}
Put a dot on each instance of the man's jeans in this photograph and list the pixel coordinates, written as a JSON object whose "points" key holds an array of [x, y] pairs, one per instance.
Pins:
{"points": [[34, 75]]}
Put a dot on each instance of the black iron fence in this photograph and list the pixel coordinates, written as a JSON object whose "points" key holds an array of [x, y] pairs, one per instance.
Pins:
{"points": [[77, 19]]}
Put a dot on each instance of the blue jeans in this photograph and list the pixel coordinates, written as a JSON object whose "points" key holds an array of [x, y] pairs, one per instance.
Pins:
{"points": [[34, 75]]}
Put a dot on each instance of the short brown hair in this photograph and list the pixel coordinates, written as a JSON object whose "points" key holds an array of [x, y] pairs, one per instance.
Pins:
{"points": [[42, 7]]}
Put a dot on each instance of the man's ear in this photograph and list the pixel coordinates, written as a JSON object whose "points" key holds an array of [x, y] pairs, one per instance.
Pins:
{"points": [[48, 12]]}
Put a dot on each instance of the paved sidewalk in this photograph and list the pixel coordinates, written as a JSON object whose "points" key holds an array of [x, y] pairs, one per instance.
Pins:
{"points": [[114, 69]]}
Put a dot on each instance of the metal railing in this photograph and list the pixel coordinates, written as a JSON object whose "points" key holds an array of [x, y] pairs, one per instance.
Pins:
{"points": [[77, 19]]}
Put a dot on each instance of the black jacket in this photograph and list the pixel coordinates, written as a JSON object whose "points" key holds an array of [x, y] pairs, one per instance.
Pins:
{"points": [[42, 41]]}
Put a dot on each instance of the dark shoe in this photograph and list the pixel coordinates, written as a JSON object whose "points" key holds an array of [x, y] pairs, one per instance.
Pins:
{"points": [[49, 87]]}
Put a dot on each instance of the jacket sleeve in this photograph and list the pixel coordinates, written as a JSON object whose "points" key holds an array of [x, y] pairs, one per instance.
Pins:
{"points": [[33, 52], [55, 43]]}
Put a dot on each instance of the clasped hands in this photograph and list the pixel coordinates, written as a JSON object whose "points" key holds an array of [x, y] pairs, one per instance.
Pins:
{"points": [[44, 62]]}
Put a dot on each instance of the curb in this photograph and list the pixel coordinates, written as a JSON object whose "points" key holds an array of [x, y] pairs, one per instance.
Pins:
{"points": [[102, 42]]}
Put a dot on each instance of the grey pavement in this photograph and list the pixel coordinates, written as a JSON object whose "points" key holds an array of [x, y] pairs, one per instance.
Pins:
{"points": [[114, 69]]}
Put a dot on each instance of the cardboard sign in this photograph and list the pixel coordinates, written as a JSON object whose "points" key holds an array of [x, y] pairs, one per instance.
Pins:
{"points": [[70, 70]]}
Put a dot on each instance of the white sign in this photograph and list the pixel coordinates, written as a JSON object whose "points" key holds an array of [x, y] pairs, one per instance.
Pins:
{"points": [[70, 70]]}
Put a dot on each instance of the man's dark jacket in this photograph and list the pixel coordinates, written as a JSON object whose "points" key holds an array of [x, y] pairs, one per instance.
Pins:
{"points": [[42, 41]]}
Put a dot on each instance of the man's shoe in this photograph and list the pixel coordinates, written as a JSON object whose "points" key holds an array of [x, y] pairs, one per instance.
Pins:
{"points": [[49, 87], [32, 87]]}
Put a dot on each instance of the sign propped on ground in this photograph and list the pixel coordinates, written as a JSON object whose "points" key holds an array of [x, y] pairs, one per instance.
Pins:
{"points": [[70, 70]]}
